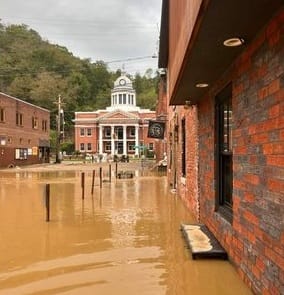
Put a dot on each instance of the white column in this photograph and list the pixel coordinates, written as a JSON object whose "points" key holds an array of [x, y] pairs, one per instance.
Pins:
{"points": [[100, 139], [112, 140], [124, 140], [137, 139]]}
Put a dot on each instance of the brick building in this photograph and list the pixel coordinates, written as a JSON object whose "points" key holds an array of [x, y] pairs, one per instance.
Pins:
{"points": [[24, 132], [120, 129], [225, 93]]}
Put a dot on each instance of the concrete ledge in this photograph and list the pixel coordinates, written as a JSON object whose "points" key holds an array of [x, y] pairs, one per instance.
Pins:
{"points": [[201, 242]]}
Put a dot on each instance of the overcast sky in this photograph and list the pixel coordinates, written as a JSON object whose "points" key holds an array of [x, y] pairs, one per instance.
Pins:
{"points": [[108, 30]]}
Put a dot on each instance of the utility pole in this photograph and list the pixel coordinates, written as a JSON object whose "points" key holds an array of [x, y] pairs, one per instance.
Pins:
{"points": [[58, 133]]}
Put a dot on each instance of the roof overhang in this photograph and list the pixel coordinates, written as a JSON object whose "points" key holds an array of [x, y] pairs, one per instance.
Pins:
{"points": [[206, 57], [164, 36]]}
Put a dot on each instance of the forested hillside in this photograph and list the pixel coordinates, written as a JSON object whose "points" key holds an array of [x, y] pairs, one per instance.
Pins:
{"points": [[36, 71]]}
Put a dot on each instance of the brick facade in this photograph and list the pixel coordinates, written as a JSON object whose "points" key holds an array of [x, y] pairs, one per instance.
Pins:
{"points": [[24, 132], [185, 182], [254, 238]]}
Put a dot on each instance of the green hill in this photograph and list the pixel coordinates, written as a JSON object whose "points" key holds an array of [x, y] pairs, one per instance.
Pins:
{"points": [[36, 71]]}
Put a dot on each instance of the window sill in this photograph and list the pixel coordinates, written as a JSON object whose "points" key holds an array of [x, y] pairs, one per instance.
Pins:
{"points": [[226, 213]]}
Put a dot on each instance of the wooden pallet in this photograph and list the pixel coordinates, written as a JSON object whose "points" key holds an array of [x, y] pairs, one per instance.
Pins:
{"points": [[201, 242]]}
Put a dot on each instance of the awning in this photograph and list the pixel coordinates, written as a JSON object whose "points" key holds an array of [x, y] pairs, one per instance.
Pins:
{"points": [[206, 57]]}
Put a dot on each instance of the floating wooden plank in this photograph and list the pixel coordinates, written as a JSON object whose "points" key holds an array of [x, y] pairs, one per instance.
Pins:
{"points": [[202, 242]]}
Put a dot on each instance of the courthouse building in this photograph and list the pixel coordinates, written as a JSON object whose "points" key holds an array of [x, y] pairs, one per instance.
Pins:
{"points": [[120, 129]]}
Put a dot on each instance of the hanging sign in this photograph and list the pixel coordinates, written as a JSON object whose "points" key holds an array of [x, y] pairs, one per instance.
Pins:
{"points": [[156, 129]]}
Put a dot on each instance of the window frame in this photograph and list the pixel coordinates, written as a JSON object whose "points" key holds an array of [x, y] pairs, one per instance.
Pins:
{"points": [[89, 131], [183, 147], [2, 115], [224, 153], [19, 119], [35, 122]]}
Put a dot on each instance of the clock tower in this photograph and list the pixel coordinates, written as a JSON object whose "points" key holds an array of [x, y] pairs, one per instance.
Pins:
{"points": [[123, 95]]}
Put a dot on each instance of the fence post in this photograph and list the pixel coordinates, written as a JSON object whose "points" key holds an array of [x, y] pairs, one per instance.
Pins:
{"points": [[93, 181], [101, 177], [83, 184], [47, 201]]}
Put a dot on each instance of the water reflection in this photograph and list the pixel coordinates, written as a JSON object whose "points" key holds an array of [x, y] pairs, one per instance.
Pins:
{"points": [[123, 239]]}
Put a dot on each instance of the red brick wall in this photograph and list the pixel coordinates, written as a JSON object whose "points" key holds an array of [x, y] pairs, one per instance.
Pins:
{"points": [[255, 239], [187, 185], [21, 136], [162, 114]]}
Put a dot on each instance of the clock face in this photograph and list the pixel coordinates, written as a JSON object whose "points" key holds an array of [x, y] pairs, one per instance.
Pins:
{"points": [[122, 82]]}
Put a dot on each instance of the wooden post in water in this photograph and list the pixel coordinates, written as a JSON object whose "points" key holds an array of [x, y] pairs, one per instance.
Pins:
{"points": [[83, 184], [115, 169], [93, 181], [109, 171], [101, 177], [47, 201]]}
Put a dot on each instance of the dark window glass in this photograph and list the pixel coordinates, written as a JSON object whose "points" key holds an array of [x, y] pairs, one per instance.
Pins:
{"points": [[224, 152]]}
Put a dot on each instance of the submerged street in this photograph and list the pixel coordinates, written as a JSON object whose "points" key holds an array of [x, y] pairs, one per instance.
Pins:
{"points": [[123, 239]]}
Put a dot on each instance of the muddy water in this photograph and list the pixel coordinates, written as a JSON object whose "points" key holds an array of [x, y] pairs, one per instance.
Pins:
{"points": [[124, 239]]}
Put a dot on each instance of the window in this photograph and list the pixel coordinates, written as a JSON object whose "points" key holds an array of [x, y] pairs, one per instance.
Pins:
{"points": [[107, 131], [21, 154], [89, 132], [2, 140], [82, 147], [82, 131], [34, 122], [19, 119], [132, 131], [89, 146], [131, 146], [107, 147], [124, 98], [118, 130], [183, 148], [2, 115], [44, 125], [151, 146], [224, 167], [120, 99]]}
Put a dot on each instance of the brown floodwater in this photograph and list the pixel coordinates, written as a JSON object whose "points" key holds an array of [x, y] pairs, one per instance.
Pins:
{"points": [[124, 239]]}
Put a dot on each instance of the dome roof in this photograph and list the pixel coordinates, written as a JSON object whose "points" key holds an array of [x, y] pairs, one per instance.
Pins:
{"points": [[123, 82]]}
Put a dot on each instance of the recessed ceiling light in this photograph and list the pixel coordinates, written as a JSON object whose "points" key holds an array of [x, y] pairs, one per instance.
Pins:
{"points": [[234, 42], [187, 104], [201, 85]]}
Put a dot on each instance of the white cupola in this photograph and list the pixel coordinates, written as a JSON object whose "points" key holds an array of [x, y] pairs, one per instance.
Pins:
{"points": [[123, 96]]}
